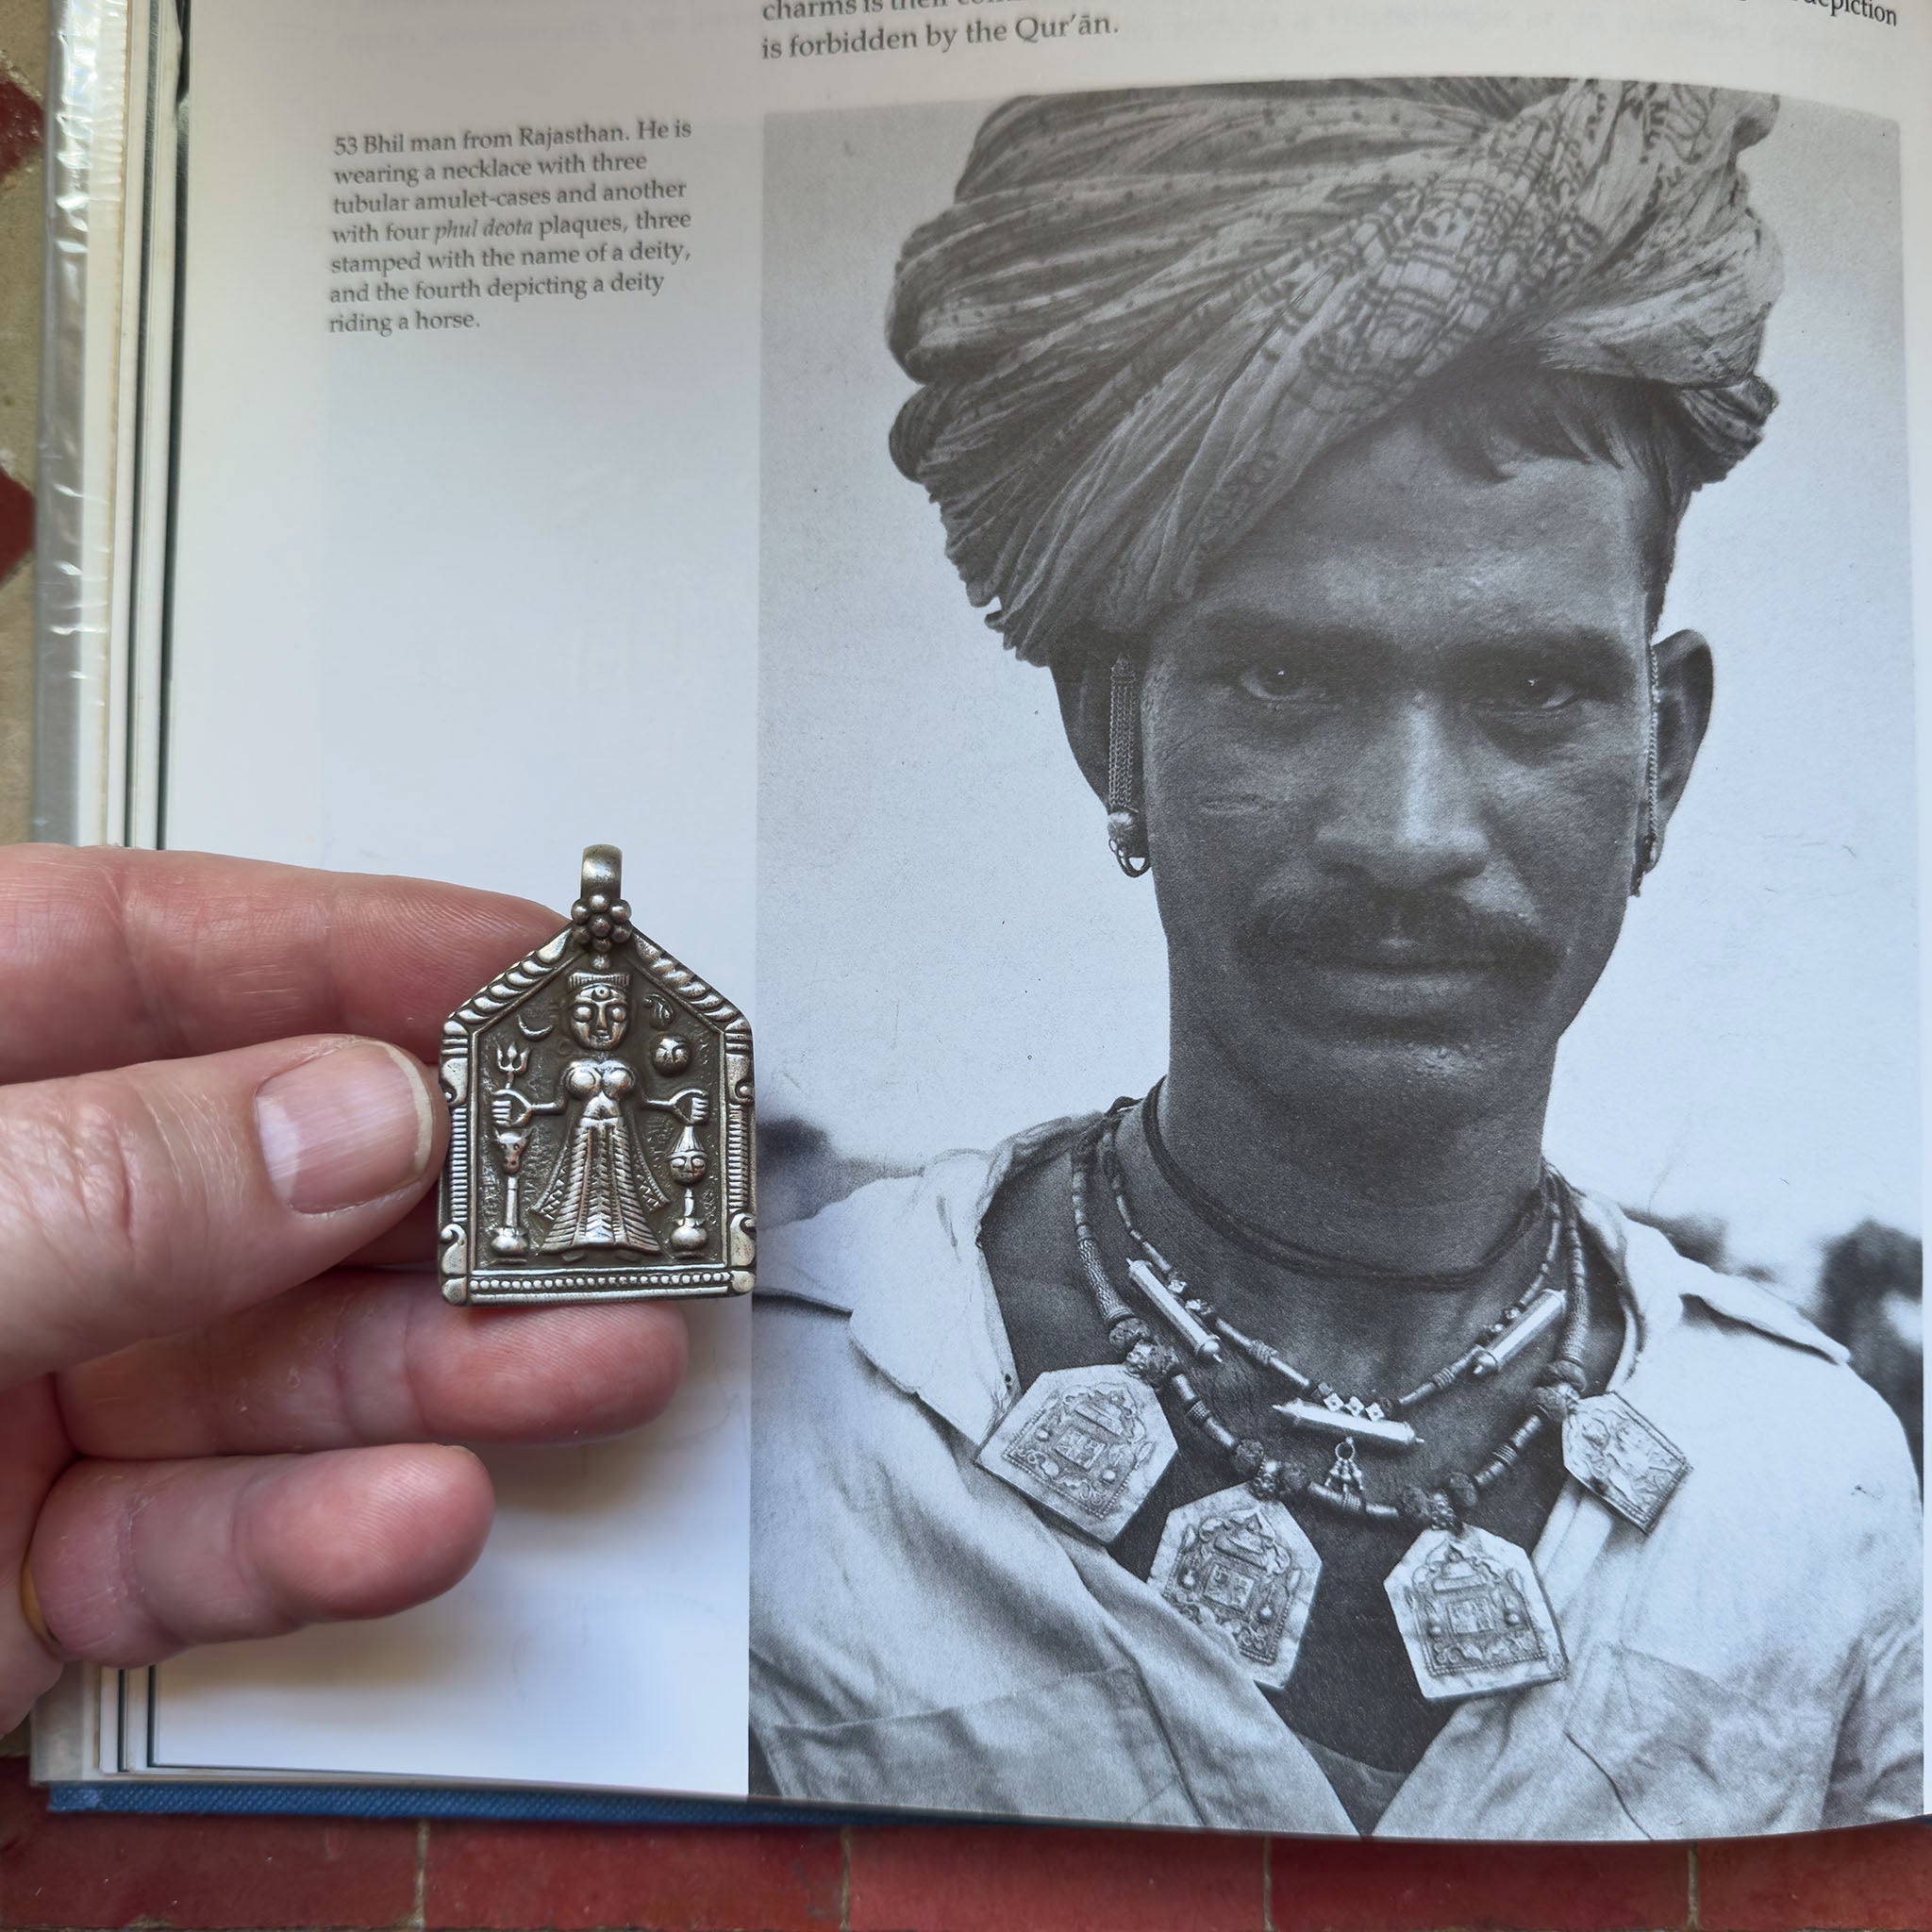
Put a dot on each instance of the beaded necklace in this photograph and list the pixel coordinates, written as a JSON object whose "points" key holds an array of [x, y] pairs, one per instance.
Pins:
{"points": [[1196, 1321], [1090, 1443], [1343, 1490]]}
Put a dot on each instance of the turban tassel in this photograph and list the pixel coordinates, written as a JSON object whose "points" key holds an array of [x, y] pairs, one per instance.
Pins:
{"points": [[1146, 314]]}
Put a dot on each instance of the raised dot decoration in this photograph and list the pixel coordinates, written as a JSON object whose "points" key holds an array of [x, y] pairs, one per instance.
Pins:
{"points": [[601, 926]]}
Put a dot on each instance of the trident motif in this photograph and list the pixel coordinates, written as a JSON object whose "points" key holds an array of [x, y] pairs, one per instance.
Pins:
{"points": [[509, 1125]]}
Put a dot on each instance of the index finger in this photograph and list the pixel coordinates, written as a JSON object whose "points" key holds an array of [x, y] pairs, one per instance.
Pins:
{"points": [[110, 957]]}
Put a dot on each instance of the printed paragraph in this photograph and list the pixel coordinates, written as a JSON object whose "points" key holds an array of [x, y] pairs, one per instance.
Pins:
{"points": [[432, 230]]}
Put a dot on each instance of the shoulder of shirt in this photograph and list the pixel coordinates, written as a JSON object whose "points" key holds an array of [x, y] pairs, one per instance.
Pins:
{"points": [[1763, 1402], [1800, 1388], [834, 1259], [1658, 1276]]}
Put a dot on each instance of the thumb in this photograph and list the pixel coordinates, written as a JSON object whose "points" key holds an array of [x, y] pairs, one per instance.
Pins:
{"points": [[157, 1197]]}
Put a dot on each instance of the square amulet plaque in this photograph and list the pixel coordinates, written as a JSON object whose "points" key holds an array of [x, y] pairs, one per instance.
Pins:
{"points": [[1088, 1444], [1619, 1453], [600, 1099], [1244, 1569], [1472, 1615]]}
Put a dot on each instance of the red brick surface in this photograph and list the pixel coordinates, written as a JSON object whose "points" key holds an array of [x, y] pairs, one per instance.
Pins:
{"points": [[16, 523], [682, 1878], [219, 1874], [1323, 1885], [206, 1873], [20, 124], [1875, 1880], [1027, 1879]]}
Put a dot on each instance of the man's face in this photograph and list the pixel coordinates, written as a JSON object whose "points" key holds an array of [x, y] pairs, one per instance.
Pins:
{"points": [[1394, 756]]}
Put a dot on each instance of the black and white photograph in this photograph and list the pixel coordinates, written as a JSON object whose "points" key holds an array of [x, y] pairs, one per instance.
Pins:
{"points": [[1340, 1142]]}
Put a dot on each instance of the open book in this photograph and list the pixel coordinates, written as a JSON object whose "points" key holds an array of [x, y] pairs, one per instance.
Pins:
{"points": [[1468, 1385]]}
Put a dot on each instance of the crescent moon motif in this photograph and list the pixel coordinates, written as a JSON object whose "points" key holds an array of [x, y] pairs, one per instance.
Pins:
{"points": [[530, 1032]]}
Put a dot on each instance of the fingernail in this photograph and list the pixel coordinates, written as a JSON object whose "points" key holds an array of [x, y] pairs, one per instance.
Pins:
{"points": [[348, 1126]]}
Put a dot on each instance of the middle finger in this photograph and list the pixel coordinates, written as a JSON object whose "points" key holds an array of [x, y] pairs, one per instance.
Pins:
{"points": [[364, 1356]]}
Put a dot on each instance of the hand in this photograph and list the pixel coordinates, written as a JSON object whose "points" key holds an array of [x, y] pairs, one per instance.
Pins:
{"points": [[696, 1104], [226, 1370]]}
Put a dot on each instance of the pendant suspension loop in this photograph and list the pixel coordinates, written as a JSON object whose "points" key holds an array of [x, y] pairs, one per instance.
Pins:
{"points": [[601, 918], [603, 872]]}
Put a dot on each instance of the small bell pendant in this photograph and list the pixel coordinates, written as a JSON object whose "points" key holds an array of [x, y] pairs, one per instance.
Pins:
{"points": [[1345, 1473]]}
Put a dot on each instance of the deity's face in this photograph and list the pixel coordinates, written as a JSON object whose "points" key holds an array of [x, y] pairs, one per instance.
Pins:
{"points": [[599, 1016], [1393, 764]]}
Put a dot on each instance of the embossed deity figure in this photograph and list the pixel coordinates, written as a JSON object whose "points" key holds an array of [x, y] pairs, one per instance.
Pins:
{"points": [[603, 1187], [1328, 442]]}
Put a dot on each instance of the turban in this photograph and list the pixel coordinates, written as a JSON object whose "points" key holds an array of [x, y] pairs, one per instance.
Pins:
{"points": [[1147, 313]]}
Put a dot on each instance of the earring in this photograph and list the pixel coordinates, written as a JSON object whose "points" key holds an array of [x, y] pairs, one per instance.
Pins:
{"points": [[1126, 826], [1649, 838]]}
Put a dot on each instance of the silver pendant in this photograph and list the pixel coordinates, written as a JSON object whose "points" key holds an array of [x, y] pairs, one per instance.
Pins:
{"points": [[1546, 1308], [1345, 1473], [1622, 1455], [1333, 1416], [1472, 1615], [600, 1099], [1087, 1445], [1245, 1569], [1169, 1301]]}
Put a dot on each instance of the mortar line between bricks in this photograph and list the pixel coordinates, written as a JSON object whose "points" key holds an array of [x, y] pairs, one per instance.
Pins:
{"points": [[1267, 1885], [418, 1903], [1691, 1911], [844, 1879]]}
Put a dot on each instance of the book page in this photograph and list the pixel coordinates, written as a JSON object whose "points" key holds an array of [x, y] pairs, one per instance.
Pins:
{"points": [[459, 604], [624, 422]]}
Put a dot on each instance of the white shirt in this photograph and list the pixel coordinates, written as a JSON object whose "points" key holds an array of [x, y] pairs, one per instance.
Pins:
{"points": [[921, 1636]]}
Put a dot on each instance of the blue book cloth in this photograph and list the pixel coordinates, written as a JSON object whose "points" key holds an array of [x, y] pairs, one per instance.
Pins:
{"points": [[440, 1801]]}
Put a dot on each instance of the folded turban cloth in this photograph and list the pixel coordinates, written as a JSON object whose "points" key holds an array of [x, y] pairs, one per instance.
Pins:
{"points": [[1147, 313]]}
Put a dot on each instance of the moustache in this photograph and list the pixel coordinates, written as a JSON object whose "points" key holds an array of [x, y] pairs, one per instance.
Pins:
{"points": [[1357, 924]]}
